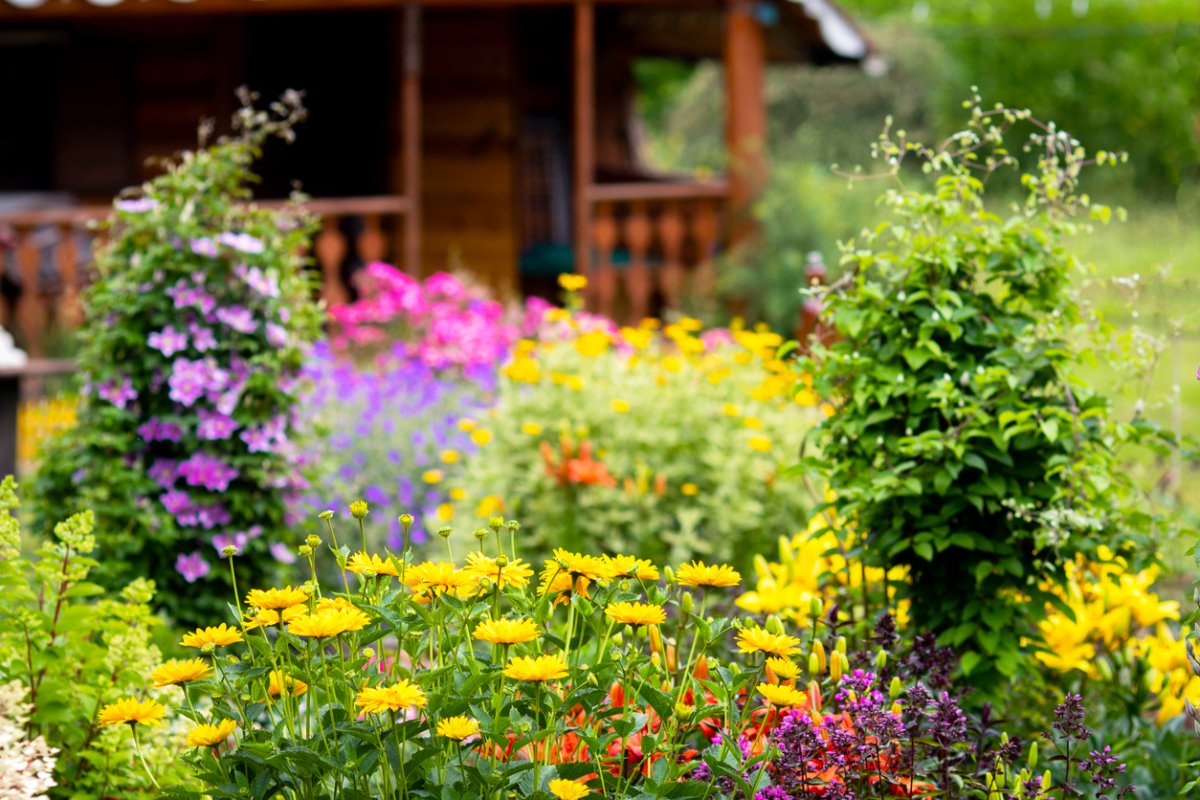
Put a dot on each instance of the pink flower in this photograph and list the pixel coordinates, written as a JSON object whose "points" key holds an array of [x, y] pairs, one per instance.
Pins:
{"points": [[192, 567], [168, 341]]}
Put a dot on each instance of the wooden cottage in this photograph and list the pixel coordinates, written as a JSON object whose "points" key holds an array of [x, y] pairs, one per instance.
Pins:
{"points": [[495, 135]]}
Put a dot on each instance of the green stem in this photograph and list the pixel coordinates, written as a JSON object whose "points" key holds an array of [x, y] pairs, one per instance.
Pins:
{"points": [[138, 746]]}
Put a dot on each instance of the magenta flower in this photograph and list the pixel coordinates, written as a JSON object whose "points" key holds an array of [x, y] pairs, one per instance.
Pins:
{"points": [[202, 338], [208, 471], [282, 553], [168, 341], [176, 501], [276, 335], [215, 426], [155, 430], [204, 247], [192, 567], [223, 540], [242, 242], [240, 318], [261, 282], [139, 205], [191, 379], [120, 395]]}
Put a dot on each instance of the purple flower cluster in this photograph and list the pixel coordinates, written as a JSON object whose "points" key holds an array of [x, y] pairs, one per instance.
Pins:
{"points": [[388, 426], [155, 430], [210, 472], [191, 380]]}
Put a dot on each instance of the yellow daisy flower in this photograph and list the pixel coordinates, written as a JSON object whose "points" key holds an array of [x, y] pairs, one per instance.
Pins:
{"points": [[783, 668], [432, 476], [507, 631], [759, 640], [450, 456], [457, 728], [689, 489], [541, 668], [218, 636], [572, 282], [361, 562], [632, 567], [276, 599], [280, 681], [435, 577], [175, 672], [133, 711], [205, 735], [267, 617], [620, 406], [401, 695], [329, 622], [481, 437], [760, 444], [467, 425], [515, 573], [782, 695], [564, 789], [636, 613], [698, 573], [531, 429]]}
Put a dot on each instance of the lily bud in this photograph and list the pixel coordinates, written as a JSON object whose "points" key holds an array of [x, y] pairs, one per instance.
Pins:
{"points": [[775, 625], [815, 607], [819, 652], [896, 689], [1033, 755], [814, 665], [835, 669], [841, 645], [880, 659]]}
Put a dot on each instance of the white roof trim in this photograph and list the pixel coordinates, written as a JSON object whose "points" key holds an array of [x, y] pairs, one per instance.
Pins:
{"points": [[836, 28]]}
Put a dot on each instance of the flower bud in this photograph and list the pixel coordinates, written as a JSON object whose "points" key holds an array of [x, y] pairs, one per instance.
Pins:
{"points": [[815, 607], [326, 515], [841, 645], [501, 560], [481, 534], [880, 659], [305, 550], [684, 711], [1047, 779], [313, 540], [445, 531], [686, 602], [897, 710], [1033, 755], [656, 642], [814, 665], [835, 668], [775, 625], [669, 575], [406, 520], [819, 652], [358, 509], [369, 652], [814, 695], [229, 551], [656, 660], [895, 690], [513, 526], [496, 523]]}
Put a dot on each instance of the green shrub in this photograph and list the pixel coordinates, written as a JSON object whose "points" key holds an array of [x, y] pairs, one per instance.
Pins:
{"points": [[195, 333], [70, 649], [964, 444]]}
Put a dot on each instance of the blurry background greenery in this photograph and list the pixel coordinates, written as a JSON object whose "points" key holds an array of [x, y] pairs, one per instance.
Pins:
{"points": [[1117, 74]]}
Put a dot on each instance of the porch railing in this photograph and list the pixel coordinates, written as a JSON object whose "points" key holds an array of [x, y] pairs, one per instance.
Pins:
{"points": [[46, 258], [652, 239]]}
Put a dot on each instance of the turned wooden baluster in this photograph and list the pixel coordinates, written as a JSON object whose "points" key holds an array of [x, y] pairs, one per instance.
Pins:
{"points": [[371, 243], [639, 232], [706, 223], [602, 278], [29, 317], [671, 232], [66, 257], [330, 249]]}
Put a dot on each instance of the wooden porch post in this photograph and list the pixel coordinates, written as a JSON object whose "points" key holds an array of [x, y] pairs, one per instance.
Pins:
{"points": [[411, 135], [584, 131], [745, 115]]}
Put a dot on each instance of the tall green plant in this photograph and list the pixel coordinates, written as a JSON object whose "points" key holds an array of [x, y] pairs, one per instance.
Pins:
{"points": [[965, 444], [196, 330]]}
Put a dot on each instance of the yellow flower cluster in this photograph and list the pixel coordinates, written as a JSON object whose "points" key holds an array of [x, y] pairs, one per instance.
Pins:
{"points": [[1118, 615], [39, 419], [811, 567]]}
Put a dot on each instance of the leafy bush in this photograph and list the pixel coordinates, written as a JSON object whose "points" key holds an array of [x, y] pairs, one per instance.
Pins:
{"points": [[195, 333], [666, 442], [964, 445], [63, 655]]}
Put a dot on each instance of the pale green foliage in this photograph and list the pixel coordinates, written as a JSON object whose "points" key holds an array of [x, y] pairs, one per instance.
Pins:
{"points": [[72, 650]]}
